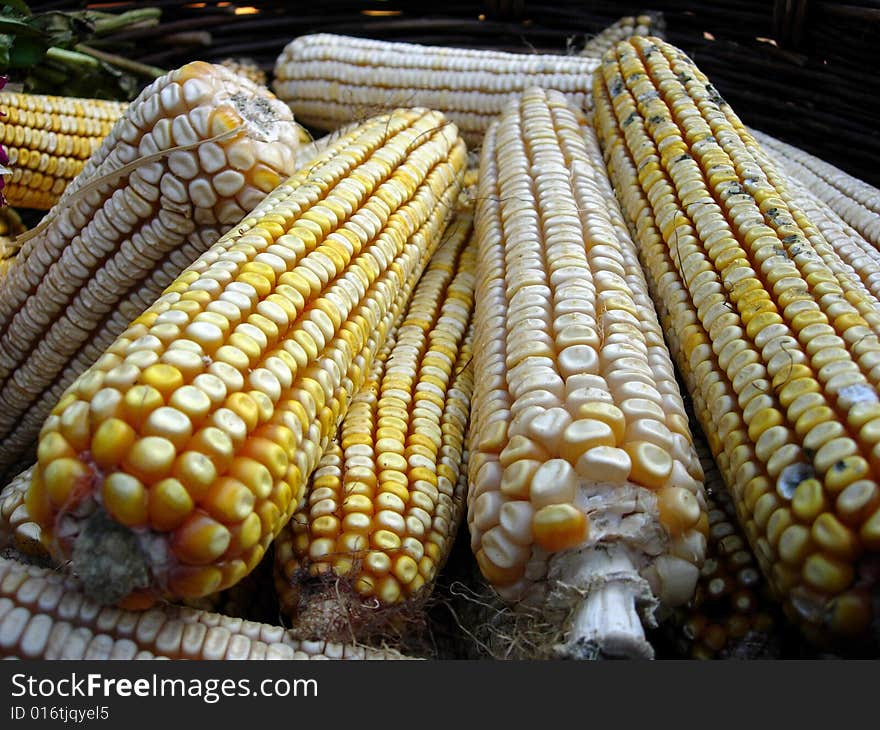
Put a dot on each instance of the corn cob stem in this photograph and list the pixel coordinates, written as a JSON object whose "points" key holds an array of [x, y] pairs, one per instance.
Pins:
{"points": [[190, 441], [776, 338], [196, 150], [579, 440], [46, 615]]}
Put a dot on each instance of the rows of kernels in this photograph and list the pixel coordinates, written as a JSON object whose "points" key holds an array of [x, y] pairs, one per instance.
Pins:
{"points": [[115, 241], [45, 615], [213, 406], [386, 519], [325, 483], [11, 227], [331, 80], [730, 612], [17, 529], [48, 139], [574, 389], [622, 29], [773, 342], [853, 200]]}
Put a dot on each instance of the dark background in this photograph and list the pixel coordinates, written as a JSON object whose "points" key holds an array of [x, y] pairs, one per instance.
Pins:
{"points": [[805, 71]]}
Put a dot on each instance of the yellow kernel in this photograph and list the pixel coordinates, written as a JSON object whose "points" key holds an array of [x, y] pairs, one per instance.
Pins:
{"points": [[795, 544], [195, 582], [651, 466], [559, 527], [679, 509], [195, 471], [200, 540], [228, 500], [169, 504], [139, 402], [53, 446], [150, 458], [164, 378], [111, 442], [125, 499], [63, 479], [835, 537], [827, 574], [809, 500], [268, 453]]}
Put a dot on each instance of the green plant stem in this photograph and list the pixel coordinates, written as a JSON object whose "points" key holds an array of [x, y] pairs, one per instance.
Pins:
{"points": [[141, 69]]}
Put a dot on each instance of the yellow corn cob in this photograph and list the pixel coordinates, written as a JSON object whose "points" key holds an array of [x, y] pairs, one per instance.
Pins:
{"points": [[190, 441], [853, 200], [383, 510], [777, 340], [585, 492], [48, 140], [10, 228], [198, 148], [731, 615], [647, 24], [330, 80], [45, 615], [246, 67]]}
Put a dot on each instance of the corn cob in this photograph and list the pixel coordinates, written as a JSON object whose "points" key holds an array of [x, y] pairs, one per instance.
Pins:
{"points": [[855, 201], [17, 529], [190, 441], [246, 67], [198, 148], [330, 80], [46, 615], [777, 341], [731, 615], [48, 140], [646, 24], [383, 511], [10, 228], [585, 492]]}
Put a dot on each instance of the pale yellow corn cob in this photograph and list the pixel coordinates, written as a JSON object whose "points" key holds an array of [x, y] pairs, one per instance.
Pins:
{"points": [[585, 490], [48, 140], [46, 615], [190, 441], [383, 511], [246, 67], [17, 529], [198, 148], [857, 202], [330, 80], [628, 26], [776, 338]]}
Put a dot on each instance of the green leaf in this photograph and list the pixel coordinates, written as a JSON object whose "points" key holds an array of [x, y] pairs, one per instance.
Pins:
{"points": [[26, 52], [18, 5], [6, 42], [18, 27]]}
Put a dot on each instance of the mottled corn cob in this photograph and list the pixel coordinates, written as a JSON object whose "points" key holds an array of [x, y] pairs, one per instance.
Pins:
{"points": [[46, 615], [382, 513], [651, 24], [330, 80], [853, 200], [731, 615], [48, 140], [777, 340], [585, 492], [246, 67], [10, 228], [189, 443], [198, 148]]}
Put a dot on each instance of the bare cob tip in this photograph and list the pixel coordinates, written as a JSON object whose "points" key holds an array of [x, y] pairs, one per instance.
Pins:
{"points": [[327, 606], [607, 621], [260, 115], [108, 559]]}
